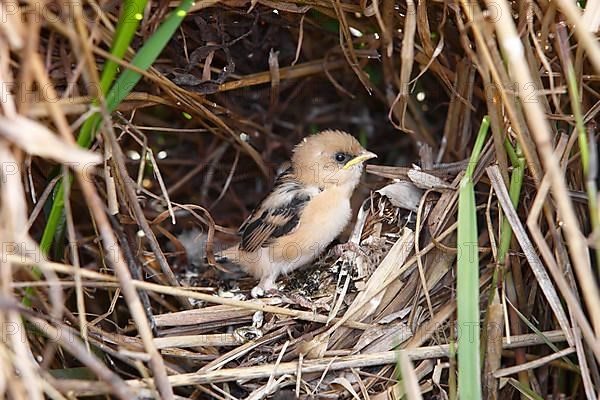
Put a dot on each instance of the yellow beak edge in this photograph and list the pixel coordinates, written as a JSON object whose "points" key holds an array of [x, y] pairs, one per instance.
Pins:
{"points": [[359, 159]]}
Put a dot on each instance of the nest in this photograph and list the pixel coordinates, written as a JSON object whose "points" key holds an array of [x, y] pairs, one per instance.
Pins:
{"points": [[118, 292]]}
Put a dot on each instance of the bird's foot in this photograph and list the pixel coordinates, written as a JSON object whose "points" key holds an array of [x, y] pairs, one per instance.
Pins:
{"points": [[259, 292]]}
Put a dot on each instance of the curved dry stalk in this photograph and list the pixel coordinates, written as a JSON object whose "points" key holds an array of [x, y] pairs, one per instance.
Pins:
{"points": [[315, 365], [536, 118]]}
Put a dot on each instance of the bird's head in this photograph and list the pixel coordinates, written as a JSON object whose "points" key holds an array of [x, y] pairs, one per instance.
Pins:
{"points": [[330, 158]]}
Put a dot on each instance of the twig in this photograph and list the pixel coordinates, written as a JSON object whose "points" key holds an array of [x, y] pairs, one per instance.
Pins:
{"points": [[314, 365], [181, 292], [533, 364], [534, 261]]}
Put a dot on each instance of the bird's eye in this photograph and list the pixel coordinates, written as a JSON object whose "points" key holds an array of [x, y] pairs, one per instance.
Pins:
{"points": [[341, 157]]}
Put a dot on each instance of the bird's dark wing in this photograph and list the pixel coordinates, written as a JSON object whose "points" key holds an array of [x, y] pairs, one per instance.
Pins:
{"points": [[277, 214]]}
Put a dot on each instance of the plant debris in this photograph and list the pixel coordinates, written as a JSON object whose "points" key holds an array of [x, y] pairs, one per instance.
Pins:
{"points": [[130, 301]]}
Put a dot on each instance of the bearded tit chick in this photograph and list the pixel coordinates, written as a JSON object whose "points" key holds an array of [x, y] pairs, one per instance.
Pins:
{"points": [[306, 210]]}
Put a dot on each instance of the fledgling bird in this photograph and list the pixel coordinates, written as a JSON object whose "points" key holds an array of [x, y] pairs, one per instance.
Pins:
{"points": [[306, 210]]}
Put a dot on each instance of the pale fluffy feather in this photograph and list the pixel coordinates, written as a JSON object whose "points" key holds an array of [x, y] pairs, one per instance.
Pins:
{"points": [[305, 211]]}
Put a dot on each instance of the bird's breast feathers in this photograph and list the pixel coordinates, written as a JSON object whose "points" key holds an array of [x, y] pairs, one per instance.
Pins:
{"points": [[294, 215]]}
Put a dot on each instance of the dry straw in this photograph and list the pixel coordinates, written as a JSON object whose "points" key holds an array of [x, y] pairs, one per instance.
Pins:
{"points": [[136, 136]]}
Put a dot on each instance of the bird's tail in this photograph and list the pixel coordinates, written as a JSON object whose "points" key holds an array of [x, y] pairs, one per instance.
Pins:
{"points": [[194, 243], [229, 253]]}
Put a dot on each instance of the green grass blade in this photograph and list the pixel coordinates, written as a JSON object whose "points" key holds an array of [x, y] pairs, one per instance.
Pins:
{"points": [[579, 126], [121, 88], [516, 183], [467, 285], [126, 27], [527, 392], [584, 151], [128, 24], [147, 55], [585, 147], [546, 340], [452, 389]]}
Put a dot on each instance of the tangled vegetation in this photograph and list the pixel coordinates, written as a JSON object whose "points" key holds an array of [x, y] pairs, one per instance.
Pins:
{"points": [[136, 136]]}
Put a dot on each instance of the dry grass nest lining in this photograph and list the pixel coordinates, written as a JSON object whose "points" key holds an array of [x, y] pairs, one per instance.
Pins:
{"points": [[430, 69]]}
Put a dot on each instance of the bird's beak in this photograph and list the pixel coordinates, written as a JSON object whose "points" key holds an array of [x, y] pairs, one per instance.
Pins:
{"points": [[367, 155]]}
